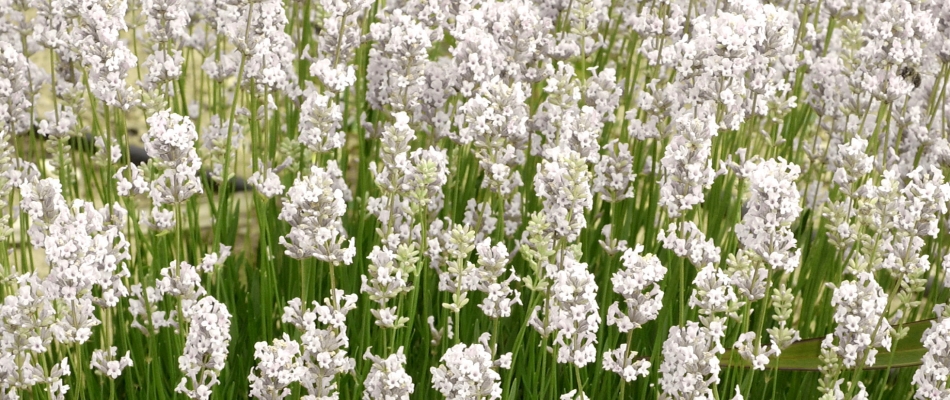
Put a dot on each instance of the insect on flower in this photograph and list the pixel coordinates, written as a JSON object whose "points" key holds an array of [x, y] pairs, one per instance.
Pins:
{"points": [[911, 75]]}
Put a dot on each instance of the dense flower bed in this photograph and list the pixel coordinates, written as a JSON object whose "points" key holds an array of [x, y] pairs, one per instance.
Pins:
{"points": [[476, 199]]}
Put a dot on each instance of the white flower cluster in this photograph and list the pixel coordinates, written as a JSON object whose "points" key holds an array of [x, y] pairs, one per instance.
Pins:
{"points": [[851, 162], [691, 353], [861, 324], [386, 278], [523, 36], [691, 362], [902, 216], [926, 197], [495, 120], [320, 120], [215, 141], [751, 351], [830, 369], [560, 118], [624, 362], [279, 365], [638, 283], [163, 66], [14, 172], [713, 294], [736, 58], [686, 240], [905, 46], [457, 275], [686, 165], [774, 204], [410, 181], [86, 251], [397, 62], [470, 372], [387, 378], [924, 200], [427, 172], [144, 303], [206, 347], [170, 143], [480, 216], [181, 281], [476, 54], [166, 20], [105, 362], [563, 183], [16, 89], [28, 320], [571, 312], [931, 378], [499, 295], [324, 350], [613, 174], [266, 181], [96, 37], [337, 41], [267, 47], [313, 207]]}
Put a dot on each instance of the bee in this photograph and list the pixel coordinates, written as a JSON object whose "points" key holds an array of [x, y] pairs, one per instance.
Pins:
{"points": [[911, 75]]}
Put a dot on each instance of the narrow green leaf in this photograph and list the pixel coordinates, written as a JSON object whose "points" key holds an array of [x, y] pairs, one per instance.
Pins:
{"points": [[804, 354]]}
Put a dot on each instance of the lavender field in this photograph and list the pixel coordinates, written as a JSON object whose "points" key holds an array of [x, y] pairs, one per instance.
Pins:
{"points": [[474, 199]]}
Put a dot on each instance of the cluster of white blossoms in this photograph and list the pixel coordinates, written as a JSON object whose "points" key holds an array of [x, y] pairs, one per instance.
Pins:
{"points": [[313, 207], [206, 347], [215, 141], [861, 324], [387, 378], [638, 283], [495, 121], [278, 366], [457, 275], [397, 62], [93, 38], [470, 371], [686, 240], [931, 378], [337, 43], [170, 144], [562, 120], [266, 181], [320, 123], [105, 362], [410, 182], [687, 168], [500, 296], [16, 71], [774, 205], [387, 277], [324, 350], [166, 23], [563, 182], [690, 364], [87, 253], [613, 174], [571, 313], [27, 323]]}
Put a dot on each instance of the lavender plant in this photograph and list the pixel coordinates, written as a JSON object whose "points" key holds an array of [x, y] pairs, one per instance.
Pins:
{"points": [[672, 200]]}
